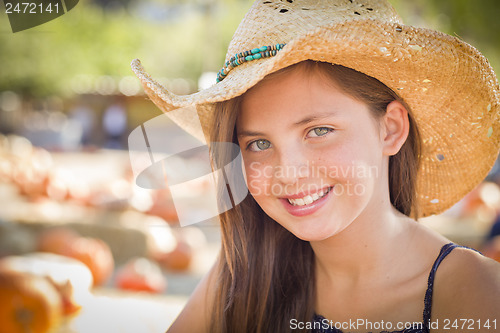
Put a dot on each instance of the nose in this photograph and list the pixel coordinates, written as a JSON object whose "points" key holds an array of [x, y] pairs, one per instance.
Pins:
{"points": [[292, 165]]}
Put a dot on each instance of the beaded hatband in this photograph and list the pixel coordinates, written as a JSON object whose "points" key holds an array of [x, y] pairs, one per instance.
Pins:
{"points": [[242, 57]]}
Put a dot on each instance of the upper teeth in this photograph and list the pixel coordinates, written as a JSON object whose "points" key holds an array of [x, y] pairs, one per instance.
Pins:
{"points": [[308, 199]]}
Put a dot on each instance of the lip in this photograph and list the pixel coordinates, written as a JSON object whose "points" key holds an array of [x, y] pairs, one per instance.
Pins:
{"points": [[306, 209]]}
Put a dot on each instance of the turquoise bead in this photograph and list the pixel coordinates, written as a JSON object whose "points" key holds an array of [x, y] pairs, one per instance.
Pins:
{"points": [[253, 54]]}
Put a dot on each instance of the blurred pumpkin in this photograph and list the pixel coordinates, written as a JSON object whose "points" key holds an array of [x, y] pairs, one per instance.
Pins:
{"points": [[483, 202], [29, 303], [31, 181], [6, 167], [159, 236], [492, 248], [188, 240], [71, 278], [94, 253], [57, 189], [55, 240], [163, 206], [193, 236], [40, 162], [79, 191], [141, 274], [179, 259]]}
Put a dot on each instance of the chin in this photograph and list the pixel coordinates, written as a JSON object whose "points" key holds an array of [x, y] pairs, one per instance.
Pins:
{"points": [[312, 238], [314, 233]]}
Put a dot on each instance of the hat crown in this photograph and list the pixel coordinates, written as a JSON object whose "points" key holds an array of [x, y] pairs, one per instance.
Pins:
{"points": [[270, 22]]}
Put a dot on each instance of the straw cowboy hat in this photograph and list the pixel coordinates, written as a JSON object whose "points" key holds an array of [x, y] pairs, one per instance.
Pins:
{"points": [[449, 86]]}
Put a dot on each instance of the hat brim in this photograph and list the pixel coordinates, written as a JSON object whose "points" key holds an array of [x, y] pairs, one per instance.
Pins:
{"points": [[449, 86]]}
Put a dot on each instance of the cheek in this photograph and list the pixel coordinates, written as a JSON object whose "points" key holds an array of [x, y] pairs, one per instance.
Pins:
{"points": [[337, 160], [258, 177], [350, 166]]}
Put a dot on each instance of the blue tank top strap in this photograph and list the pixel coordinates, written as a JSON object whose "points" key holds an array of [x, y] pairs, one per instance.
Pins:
{"points": [[445, 250]]}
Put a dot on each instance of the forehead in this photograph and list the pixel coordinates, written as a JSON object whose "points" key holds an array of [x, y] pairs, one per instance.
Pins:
{"points": [[299, 77], [291, 95]]}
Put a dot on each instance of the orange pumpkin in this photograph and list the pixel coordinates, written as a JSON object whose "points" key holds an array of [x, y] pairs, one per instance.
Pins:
{"points": [[163, 206], [94, 253], [141, 274], [56, 240], [179, 259], [492, 249], [71, 278], [28, 303], [188, 240]]}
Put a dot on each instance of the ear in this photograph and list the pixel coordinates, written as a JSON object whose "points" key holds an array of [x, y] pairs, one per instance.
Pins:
{"points": [[395, 128]]}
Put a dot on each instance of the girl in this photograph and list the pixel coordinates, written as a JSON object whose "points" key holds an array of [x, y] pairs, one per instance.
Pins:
{"points": [[351, 126]]}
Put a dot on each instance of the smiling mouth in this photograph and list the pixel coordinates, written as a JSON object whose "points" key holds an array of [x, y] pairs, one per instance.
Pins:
{"points": [[309, 199]]}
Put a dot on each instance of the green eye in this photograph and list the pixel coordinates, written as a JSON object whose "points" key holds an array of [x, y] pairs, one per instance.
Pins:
{"points": [[319, 131], [258, 145]]}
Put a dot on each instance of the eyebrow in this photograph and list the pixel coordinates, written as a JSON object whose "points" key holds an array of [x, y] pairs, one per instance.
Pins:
{"points": [[314, 117], [304, 121]]}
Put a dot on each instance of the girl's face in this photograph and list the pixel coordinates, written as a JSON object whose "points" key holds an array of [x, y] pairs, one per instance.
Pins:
{"points": [[313, 155]]}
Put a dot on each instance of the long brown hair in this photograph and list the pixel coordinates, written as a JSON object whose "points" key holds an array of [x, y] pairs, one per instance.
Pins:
{"points": [[265, 275]]}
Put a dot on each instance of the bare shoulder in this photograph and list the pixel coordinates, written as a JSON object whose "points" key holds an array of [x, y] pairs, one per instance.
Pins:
{"points": [[195, 317], [467, 290]]}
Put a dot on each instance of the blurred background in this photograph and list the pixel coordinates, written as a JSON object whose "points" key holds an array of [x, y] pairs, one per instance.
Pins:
{"points": [[82, 247]]}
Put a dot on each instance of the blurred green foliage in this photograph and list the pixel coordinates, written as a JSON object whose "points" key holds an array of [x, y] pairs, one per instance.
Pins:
{"points": [[172, 39], [181, 38], [475, 21]]}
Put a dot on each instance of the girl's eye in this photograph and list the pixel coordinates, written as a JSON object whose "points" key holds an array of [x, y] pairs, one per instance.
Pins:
{"points": [[319, 131], [259, 145]]}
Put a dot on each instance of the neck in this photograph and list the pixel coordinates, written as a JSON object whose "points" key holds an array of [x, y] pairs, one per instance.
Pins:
{"points": [[364, 249]]}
